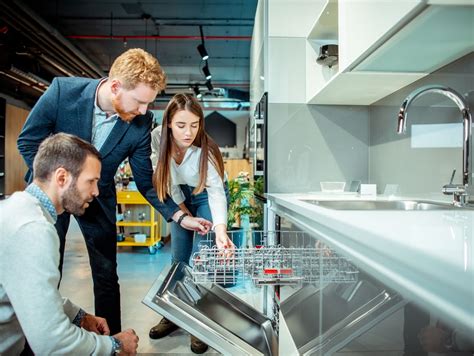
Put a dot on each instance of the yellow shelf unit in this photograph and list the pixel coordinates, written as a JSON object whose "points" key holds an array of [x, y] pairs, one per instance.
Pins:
{"points": [[135, 223], [130, 197]]}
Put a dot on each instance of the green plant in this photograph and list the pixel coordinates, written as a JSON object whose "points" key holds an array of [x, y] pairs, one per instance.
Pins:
{"points": [[241, 200], [258, 185], [257, 215]]}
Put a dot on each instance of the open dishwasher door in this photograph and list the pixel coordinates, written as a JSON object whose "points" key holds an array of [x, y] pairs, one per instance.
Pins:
{"points": [[209, 312]]}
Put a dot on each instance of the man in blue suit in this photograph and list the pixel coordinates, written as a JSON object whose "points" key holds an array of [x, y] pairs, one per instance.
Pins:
{"points": [[112, 114]]}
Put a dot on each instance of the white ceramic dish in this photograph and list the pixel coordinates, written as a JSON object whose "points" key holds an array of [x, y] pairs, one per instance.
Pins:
{"points": [[332, 187], [139, 237]]}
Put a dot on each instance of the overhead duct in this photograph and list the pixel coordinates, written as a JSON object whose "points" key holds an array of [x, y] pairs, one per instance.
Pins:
{"points": [[48, 40]]}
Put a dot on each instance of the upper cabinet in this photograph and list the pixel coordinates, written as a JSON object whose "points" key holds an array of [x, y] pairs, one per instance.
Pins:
{"points": [[384, 46], [257, 55]]}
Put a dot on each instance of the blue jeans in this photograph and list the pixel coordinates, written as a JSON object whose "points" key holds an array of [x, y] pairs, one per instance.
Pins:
{"points": [[185, 242]]}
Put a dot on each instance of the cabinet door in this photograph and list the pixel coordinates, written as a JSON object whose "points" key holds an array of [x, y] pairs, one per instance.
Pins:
{"points": [[15, 168], [234, 166], [363, 22]]}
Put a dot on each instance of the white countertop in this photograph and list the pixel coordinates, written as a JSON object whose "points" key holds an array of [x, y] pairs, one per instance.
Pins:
{"points": [[427, 256]]}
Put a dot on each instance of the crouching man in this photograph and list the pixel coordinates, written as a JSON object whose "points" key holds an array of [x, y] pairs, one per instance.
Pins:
{"points": [[66, 172]]}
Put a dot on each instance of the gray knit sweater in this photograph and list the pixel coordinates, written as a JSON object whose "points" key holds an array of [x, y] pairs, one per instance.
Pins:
{"points": [[30, 303]]}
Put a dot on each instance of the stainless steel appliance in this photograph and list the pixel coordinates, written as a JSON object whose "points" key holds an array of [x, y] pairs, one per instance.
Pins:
{"points": [[258, 137], [212, 314], [349, 310], [258, 154]]}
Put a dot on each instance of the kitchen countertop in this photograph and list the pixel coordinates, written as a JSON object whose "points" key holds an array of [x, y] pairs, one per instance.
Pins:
{"points": [[427, 256]]}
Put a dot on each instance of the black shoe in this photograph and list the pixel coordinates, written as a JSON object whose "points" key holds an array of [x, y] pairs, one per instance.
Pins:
{"points": [[197, 346], [162, 329]]}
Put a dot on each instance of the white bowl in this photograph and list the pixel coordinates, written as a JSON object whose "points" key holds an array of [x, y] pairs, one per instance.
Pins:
{"points": [[139, 237], [332, 187]]}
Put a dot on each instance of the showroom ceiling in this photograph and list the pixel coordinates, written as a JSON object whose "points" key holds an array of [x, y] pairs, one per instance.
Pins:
{"points": [[43, 39]]}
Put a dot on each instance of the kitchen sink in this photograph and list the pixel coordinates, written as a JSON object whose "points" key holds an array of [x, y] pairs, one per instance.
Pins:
{"points": [[384, 205]]}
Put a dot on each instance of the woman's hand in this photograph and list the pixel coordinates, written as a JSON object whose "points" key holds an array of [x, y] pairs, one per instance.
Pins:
{"points": [[223, 242], [200, 225]]}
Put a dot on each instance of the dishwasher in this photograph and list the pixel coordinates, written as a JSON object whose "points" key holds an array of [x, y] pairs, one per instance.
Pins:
{"points": [[194, 298]]}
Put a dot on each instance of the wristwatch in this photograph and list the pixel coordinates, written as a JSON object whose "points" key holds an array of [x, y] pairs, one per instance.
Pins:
{"points": [[116, 345]]}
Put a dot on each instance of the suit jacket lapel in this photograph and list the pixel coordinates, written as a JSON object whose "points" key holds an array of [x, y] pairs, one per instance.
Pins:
{"points": [[114, 137], [85, 110]]}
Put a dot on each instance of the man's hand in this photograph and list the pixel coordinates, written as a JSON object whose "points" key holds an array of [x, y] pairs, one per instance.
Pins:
{"points": [[200, 225], [95, 324], [129, 340], [185, 209]]}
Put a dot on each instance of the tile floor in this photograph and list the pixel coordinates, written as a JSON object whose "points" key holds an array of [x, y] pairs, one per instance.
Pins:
{"points": [[137, 272]]}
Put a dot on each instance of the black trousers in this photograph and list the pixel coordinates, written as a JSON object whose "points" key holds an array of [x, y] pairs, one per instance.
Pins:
{"points": [[101, 241]]}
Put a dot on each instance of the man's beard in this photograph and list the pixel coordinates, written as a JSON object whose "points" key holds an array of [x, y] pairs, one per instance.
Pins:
{"points": [[72, 200], [124, 115]]}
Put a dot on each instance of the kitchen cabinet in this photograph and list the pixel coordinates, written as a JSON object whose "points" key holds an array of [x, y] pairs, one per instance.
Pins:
{"points": [[258, 52], [14, 167], [423, 260], [383, 46], [406, 275]]}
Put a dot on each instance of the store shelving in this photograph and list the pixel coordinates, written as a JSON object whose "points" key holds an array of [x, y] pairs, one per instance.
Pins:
{"points": [[153, 240]]}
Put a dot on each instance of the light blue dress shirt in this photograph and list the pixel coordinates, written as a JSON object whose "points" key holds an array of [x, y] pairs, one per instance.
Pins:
{"points": [[101, 124], [44, 200]]}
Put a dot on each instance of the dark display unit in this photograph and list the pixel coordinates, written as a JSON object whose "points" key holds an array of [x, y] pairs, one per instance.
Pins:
{"points": [[3, 104]]}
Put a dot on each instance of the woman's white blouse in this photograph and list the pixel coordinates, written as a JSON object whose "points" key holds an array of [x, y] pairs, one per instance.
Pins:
{"points": [[188, 173]]}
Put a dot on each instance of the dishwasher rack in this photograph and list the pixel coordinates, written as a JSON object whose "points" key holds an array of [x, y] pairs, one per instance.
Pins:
{"points": [[272, 265]]}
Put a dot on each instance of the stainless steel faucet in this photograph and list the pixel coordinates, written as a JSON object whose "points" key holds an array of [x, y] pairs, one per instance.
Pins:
{"points": [[459, 191]]}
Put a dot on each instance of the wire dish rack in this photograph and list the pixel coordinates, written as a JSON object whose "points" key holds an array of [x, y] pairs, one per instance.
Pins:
{"points": [[272, 264]]}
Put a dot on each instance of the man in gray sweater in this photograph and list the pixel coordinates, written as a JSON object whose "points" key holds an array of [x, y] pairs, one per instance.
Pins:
{"points": [[66, 171]]}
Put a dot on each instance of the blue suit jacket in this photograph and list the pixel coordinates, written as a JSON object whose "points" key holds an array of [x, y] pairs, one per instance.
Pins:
{"points": [[68, 106]]}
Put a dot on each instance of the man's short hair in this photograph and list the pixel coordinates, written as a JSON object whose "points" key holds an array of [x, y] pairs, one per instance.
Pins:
{"points": [[62, 150], [137, 66]]}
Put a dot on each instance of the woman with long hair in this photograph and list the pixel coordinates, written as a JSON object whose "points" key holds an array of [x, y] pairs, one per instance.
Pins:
{"points": [[190, 169]]}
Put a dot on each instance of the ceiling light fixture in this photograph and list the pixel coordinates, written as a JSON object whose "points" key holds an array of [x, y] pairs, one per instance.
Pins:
{"points": [[201, 48], [207, 72], [209, 85], [203, 52], [197, 92]]}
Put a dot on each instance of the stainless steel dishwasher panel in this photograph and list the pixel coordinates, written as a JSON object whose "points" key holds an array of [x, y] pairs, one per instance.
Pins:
{"points": [[211, 313], [323, 320]]}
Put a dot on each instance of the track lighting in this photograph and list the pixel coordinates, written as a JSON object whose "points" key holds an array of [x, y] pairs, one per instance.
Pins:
{"points": [[197, 92], [203, 52], [206, 72], [201, 48], [209, 85]]}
